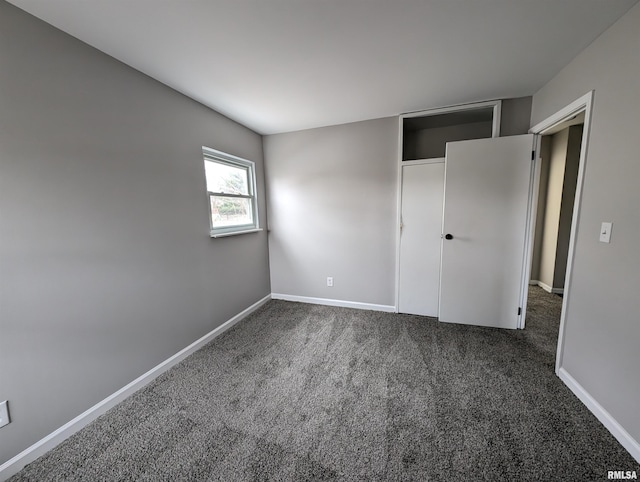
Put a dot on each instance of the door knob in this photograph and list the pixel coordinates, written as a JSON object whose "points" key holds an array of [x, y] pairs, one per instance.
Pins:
{"points": [[448, 236]]}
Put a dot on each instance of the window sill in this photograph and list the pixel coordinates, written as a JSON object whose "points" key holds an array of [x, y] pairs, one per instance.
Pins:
{"points": [[234, 233]]}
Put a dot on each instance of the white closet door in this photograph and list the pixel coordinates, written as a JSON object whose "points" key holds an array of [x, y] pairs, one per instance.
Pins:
{"points": [[485, 211], [422, 197]]}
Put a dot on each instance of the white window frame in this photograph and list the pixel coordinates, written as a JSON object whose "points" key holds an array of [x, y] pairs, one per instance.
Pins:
{"points": [[212, 155]]}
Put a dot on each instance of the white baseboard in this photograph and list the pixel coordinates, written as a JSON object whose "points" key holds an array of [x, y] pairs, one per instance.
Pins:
{"points": [[14, 465], [534, 282], [325, 301], [549, 289], [545, 286], [625, 439]]}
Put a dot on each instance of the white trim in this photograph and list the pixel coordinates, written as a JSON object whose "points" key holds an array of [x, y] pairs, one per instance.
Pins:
{"points": [[550, 289], [497, 112], [328, 302], [545, 287], [570, 110], [213, 155], [495, 104], [533, 282], [585, 104], [610, 423], [398, 223], [233, 233], [420, 162], [529, 235], [14, 465]]}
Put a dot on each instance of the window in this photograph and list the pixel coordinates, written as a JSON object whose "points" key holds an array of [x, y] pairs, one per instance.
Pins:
{"points": [[232, 193]]}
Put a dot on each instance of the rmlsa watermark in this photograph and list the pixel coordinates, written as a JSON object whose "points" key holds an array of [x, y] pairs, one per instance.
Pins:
{"points": [[622, 475]]}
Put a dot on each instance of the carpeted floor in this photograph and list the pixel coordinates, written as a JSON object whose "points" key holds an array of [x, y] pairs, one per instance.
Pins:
{"points": [[305, 392]]}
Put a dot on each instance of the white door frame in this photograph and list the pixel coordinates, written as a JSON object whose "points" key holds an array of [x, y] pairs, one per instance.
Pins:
{"points": [[496, 105], [583, 104]]}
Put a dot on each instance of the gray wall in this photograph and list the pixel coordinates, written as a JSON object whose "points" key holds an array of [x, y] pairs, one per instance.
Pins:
{"points": [[431, 143], [106, 265], [602, 329], [515, 116], [332, 198], [332, 211]]}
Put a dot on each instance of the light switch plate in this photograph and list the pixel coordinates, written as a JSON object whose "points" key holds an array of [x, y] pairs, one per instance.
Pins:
{"points": [[4, 414], [605, 232]]}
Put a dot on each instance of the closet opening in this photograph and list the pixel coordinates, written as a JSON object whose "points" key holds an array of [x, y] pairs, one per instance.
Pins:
{"points": [[421, 159]]}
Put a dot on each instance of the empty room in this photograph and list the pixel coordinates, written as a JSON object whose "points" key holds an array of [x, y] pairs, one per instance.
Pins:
{"points": [[319, 240]]}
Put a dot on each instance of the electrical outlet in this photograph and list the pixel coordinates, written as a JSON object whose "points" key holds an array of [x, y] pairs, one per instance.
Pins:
{"points": [[329, 281], [4, 414]]}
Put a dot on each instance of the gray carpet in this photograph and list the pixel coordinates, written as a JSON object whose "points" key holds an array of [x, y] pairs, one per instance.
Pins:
{"points": [[304, 392]]}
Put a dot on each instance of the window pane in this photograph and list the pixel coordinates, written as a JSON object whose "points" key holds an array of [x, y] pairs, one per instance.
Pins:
{"points": [[230, 211], [225, 178]]}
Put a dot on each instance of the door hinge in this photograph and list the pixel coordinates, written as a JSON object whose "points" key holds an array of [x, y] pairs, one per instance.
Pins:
{"points": [[533, 155], [519, 311]]}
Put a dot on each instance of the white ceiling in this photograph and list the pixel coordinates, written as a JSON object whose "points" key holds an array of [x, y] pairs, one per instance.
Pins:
{"points": [[284, 65]]}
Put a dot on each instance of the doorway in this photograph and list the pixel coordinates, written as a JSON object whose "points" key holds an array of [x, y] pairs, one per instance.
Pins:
{"points": [[559, 159], [562, 182]]}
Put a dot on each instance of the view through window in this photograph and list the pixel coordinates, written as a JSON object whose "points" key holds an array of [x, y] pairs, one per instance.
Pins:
{"points": [[231, 190]]}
